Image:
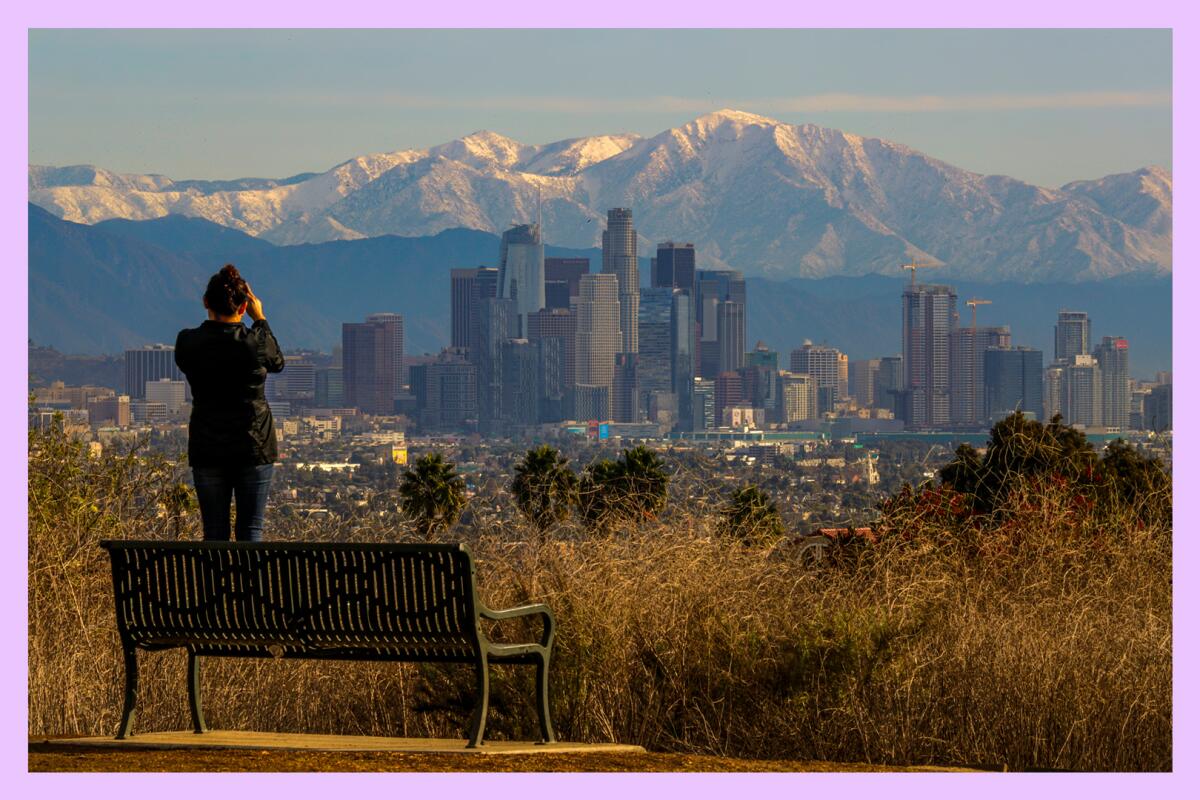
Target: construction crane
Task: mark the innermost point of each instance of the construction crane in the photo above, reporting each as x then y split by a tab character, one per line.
973	302
916	264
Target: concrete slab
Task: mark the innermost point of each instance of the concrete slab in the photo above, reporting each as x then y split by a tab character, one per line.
255	740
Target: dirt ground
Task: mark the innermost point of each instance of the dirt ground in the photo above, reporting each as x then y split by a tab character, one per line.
50	757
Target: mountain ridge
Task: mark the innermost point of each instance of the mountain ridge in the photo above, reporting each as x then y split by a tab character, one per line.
752	193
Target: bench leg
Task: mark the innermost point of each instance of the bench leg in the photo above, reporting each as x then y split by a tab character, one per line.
479	717
543	682
193	682
131	682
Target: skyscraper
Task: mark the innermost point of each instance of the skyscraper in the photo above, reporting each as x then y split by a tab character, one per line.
731	336
519	395
683	342
368	366
462	287
967	347
445	390
497	322
620	259
486	284
655	310
797	397
522	273
1112	355
1072	335
889	385
822	363
862	379
150	363
1012	381
395	326
714	287
930	313
625	397
597	338
569	271
1082	401
674	266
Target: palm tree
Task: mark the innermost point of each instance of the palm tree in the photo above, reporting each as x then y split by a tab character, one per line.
753	517
178	502
432	494
632	488
544	487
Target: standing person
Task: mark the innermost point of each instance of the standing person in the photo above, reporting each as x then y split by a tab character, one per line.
231	436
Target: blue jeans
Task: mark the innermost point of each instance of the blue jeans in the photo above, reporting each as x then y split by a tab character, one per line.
214	487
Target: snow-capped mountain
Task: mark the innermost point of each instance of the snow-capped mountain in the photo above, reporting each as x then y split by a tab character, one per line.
752	193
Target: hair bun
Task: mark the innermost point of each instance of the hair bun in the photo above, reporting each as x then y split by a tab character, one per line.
229	274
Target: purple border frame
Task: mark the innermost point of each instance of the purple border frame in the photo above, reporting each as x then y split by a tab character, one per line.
541	13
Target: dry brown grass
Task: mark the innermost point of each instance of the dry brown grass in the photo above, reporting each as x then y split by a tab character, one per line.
1035	639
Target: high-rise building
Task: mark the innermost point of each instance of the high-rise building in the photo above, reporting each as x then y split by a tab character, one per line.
1054	391
620	259
519	396
760	377
486	285
1112	355
1072	336
462	289
714	287
328	388
168	392
497	323
823	363
674	266
683	367
930	313
568	271
625	397
1012	381
1082	401
1158	410
297	382
557	323
368	366
597	335
731	336
843	376
445	390
967	348
863	376
150	363
797	397
655	310
522	273
395	327
554	391
704	404
728	391
591	403
889	385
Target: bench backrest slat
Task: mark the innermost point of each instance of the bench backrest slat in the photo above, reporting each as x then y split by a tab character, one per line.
322	594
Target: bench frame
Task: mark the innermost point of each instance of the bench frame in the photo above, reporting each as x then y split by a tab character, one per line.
483	651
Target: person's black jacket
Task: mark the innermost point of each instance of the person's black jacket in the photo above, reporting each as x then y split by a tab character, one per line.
226	365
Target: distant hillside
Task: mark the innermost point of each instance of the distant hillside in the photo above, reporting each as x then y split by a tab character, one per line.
96	289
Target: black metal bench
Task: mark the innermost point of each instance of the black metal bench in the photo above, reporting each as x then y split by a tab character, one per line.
354	601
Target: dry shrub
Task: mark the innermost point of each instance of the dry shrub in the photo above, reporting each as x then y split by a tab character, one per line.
1039	637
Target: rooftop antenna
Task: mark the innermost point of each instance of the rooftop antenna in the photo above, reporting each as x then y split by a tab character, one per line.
539	222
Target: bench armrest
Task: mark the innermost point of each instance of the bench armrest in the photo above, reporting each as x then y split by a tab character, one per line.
524	611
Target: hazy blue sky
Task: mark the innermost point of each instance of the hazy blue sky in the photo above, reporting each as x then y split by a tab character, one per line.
1044	106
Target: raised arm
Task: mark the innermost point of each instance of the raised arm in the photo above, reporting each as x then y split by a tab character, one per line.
269	354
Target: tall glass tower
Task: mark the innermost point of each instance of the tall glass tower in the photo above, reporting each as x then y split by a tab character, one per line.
620	259
930	313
